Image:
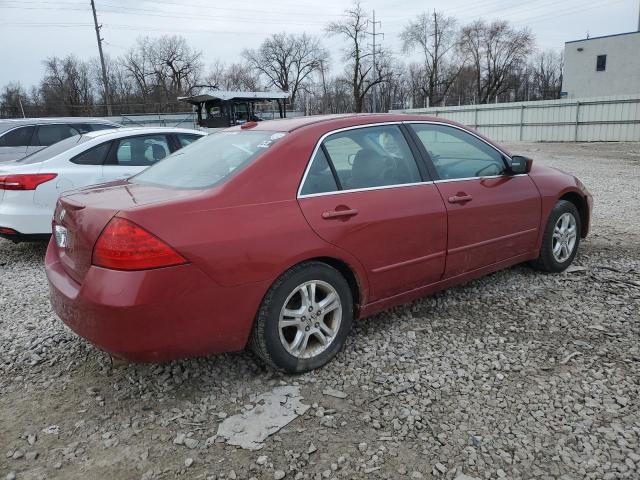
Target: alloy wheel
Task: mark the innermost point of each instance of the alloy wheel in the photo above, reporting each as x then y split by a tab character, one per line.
565	234
310	319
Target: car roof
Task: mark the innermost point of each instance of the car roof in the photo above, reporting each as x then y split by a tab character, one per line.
328	123
339	121
11	123
44	120
127	131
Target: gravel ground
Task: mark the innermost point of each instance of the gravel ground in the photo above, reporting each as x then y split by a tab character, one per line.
516	375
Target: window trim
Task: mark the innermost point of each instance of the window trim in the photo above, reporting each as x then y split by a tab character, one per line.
604	64
424	157
319	144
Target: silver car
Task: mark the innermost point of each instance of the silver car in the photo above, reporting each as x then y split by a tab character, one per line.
24	136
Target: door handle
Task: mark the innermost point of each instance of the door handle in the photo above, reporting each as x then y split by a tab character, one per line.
460	198
329	214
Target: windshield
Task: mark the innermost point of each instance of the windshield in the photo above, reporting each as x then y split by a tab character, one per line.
53	150
209	161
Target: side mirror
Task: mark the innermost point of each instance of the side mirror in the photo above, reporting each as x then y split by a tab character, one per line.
519	165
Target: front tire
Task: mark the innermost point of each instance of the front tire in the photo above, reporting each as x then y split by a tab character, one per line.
561	238
304	318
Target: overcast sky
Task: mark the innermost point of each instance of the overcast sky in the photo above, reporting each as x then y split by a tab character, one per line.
31	30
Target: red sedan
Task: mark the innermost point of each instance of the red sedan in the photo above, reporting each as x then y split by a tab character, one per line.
279	234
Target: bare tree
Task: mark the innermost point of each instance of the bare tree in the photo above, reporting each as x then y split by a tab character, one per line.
163	68
137	62
354	29
435	35
67	86
287	61
494	51
240	76
13	100
177	66
547	74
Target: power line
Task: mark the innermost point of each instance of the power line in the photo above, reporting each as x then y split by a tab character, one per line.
118	8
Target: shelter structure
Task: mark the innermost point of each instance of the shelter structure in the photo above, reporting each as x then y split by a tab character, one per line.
220	109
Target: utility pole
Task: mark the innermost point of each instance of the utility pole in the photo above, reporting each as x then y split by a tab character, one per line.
374	35
639	16
21	107
107	97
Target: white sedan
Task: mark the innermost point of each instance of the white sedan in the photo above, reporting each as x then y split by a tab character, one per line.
29	188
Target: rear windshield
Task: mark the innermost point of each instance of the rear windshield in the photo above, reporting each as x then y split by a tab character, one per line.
209	161
53	150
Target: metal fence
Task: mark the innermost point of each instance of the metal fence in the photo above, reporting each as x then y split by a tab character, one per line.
599	119
182	120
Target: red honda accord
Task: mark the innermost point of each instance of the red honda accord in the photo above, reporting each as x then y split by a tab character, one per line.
279	234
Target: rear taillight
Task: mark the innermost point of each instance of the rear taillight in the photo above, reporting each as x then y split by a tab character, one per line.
123	245
7	231
25	181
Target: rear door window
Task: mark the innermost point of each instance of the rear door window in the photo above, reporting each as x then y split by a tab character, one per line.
49	134
18	137
372	157
142	150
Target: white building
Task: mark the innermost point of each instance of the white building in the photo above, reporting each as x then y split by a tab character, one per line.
602	66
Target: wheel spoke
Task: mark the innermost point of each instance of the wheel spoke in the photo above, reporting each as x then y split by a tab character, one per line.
321	337
312	293
290	323
288	313
326	329
300	343
330	302
304	295
557	248
297	340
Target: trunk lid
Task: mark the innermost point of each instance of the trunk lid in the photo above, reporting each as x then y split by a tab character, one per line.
82	215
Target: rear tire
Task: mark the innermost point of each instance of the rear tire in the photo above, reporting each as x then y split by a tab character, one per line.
561	239
304	318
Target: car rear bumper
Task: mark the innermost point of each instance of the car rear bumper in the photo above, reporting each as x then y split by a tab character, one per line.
19	213
153	315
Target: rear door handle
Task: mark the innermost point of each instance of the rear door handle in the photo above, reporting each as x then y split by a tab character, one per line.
329	214
460	198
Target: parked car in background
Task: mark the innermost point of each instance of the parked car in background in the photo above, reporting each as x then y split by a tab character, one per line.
30	187
281	233
21	137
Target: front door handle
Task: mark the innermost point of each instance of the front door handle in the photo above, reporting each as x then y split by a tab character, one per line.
329	214
460	198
